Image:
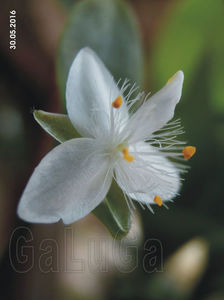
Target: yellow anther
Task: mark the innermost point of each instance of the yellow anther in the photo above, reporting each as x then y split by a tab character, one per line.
117	102
126	155
188	152
171	78
158	200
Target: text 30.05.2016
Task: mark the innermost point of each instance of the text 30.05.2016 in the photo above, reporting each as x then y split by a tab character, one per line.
12	30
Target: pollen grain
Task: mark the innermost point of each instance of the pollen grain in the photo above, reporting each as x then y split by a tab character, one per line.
117	102
126	155
171	78
188	152
158	200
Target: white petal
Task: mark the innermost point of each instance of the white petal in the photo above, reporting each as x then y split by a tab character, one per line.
157	111
90	92
70	181
148	175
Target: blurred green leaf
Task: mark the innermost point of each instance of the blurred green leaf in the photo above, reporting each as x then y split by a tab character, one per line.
216	82
187	39
67	4
109	28
113	212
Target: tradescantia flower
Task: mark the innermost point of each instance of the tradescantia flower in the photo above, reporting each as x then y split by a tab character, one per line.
134	149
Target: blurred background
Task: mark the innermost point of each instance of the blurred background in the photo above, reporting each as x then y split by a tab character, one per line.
174	254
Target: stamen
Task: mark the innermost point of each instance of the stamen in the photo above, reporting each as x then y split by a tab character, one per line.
188	152
117	102
126	155
158	200
171	78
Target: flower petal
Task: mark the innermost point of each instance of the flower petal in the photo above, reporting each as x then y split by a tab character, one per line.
148	175
70	181
157	111
90	92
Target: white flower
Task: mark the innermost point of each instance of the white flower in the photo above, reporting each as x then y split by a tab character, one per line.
74	178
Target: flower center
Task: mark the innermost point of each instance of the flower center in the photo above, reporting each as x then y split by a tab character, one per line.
126	155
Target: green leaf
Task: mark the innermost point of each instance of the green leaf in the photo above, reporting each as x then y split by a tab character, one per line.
57	125
109	28
113	212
